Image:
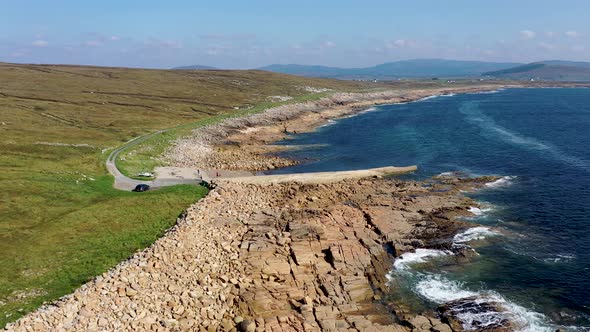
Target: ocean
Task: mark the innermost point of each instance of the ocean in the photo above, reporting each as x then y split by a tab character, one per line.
532	233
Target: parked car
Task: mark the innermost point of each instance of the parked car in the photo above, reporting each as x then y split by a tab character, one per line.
141	188
208	185
146	174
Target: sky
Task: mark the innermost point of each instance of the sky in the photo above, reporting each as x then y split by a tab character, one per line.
254	33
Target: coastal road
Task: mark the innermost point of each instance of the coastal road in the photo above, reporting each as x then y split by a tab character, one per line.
123	182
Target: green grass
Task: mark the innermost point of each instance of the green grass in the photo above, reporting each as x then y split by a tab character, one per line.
87	247
60	228
61	223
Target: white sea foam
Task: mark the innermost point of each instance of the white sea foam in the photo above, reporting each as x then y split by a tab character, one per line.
440	290
560	258
479	211
526	320
437	96
404	261
474	234
487	92
443	174
504	181
328	123
437	289
371	109
428	98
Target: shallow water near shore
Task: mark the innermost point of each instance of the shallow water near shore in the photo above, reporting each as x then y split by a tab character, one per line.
534	257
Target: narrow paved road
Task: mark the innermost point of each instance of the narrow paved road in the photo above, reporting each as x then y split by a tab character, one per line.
123	182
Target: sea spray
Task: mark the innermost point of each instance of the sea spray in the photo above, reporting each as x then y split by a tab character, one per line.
504	181
474	234
478	211
404	261
478	310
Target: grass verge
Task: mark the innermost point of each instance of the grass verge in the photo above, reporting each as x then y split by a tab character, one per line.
95	227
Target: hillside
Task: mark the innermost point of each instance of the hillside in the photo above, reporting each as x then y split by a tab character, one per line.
61	222
421	68
547	70
194	67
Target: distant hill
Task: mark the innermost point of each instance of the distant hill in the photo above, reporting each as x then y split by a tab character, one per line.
193	67
554	70
566	63
419	68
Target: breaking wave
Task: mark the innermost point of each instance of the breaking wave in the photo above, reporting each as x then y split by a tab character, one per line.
404	261
474	234
481	309
479	211
504	181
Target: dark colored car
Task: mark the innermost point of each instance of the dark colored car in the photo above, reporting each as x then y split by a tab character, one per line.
208	185
141	187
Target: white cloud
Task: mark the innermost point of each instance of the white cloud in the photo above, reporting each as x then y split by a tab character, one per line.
546	46
528	34
572	34
399	43
228	37
329	44
40	43
550	34
162	44
296	46
115	38
92	43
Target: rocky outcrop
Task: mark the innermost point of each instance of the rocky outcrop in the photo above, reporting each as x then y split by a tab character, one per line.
476	314
285	257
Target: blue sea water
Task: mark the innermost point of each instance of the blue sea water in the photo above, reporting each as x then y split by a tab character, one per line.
534	238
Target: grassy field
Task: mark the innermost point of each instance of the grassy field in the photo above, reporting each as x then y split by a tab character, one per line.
61	223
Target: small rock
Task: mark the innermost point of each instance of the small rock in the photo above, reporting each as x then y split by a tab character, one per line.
170	323
247	326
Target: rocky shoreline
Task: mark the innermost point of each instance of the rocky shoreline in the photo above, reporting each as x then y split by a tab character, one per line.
246	143
281	257
276	257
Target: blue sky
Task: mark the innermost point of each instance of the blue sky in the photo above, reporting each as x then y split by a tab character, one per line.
249	34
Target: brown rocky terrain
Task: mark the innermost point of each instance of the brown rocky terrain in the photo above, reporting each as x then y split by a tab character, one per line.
286	257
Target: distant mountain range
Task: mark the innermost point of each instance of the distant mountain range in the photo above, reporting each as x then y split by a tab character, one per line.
555	70
400	69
